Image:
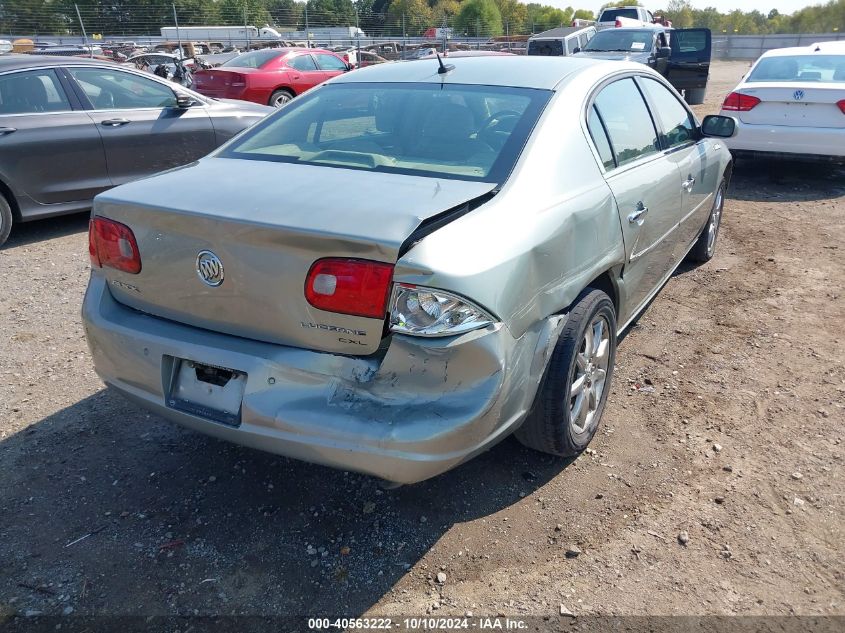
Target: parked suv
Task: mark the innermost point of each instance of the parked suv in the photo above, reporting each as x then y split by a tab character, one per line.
680	55
627	15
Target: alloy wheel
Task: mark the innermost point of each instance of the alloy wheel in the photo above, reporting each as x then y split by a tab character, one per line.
715	219
589	375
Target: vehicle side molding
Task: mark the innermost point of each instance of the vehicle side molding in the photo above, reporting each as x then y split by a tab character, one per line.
719	126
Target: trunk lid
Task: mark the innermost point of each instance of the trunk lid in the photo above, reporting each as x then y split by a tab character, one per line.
267	223
797	105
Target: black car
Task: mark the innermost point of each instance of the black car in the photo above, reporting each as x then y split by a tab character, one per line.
73	127
680	55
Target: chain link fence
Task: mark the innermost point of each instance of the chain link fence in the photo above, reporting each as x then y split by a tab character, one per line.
74	24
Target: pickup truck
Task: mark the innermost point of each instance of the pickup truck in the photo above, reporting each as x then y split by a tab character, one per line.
680	55
626	16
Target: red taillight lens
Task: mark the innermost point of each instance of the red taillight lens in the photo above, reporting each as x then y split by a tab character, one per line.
618	23
236	79
841	105
739	102
349	286
113	244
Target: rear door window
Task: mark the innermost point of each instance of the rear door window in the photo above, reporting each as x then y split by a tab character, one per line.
302	62
329	62
627	120
31	92
677	124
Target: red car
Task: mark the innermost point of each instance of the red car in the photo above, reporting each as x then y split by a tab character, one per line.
270	76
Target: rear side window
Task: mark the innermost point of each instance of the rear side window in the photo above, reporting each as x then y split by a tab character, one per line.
329	62
599	136
678	126
302	62
31	92
627	120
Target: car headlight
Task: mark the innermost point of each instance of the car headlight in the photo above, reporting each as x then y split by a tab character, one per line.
428	312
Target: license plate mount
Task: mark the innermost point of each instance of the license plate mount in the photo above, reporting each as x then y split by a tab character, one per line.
207	391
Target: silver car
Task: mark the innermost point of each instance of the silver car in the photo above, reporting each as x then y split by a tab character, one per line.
72	127
409	263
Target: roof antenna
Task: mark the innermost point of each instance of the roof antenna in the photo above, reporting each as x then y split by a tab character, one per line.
444	68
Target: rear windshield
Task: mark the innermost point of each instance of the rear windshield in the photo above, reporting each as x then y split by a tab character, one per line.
617	40
830	68
439	130
610	15
255	59
545	47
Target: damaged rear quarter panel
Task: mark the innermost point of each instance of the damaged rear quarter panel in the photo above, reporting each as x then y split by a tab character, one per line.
534	247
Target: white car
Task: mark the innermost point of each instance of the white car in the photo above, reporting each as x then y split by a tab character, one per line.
792	103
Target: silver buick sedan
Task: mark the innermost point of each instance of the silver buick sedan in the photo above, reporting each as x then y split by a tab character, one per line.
408	263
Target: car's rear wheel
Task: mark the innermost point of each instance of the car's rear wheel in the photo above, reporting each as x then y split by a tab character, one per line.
574	389
705	247
280	98
5	219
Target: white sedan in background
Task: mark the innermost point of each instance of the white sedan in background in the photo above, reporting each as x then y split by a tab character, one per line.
792	103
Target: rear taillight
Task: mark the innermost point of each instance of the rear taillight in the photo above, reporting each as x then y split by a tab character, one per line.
739	102
841	105
112	244
237	80
349	286
618	23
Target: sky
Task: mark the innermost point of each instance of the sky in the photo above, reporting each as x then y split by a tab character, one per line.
725	6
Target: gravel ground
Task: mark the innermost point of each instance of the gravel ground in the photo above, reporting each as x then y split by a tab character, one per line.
715	485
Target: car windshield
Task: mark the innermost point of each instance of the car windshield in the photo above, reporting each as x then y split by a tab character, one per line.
617	40
254	59
829	68
428	129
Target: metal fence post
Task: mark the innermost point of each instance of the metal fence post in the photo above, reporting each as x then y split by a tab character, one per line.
178	35
84	34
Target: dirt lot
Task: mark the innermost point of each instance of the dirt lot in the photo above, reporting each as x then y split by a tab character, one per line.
739	445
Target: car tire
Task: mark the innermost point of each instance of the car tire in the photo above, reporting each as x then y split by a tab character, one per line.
695	96
572	394
5	220
705	246
280	98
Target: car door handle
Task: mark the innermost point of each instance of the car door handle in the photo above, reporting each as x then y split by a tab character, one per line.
638	216
296	76
114	122
688	184
7	130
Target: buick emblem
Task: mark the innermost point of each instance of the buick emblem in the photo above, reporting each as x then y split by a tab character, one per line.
798	95
210	268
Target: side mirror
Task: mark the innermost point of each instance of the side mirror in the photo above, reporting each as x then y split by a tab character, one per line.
183	101
350	66
577	49
664	52
718	126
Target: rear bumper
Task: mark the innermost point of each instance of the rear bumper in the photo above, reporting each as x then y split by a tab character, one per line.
426	406
786	140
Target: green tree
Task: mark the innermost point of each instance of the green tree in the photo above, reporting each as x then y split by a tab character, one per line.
416	15
541	17
479	17
583	14
514	14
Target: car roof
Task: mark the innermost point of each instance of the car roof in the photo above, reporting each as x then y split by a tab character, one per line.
518	71
16	62
817	47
